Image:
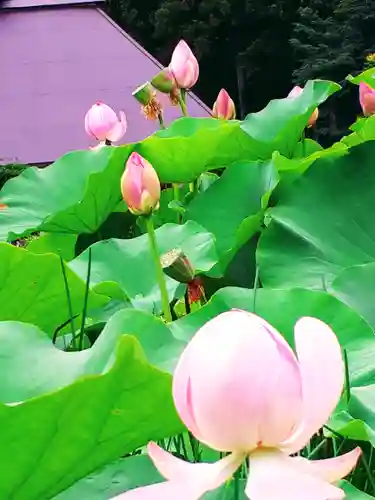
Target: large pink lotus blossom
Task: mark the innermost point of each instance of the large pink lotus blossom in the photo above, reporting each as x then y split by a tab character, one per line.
184	66
102	124
140	185
295	92
224	107
367	99
239	387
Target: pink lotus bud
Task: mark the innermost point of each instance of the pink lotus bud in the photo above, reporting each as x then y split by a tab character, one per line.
367	99
184	66
101	123
140	185
224	107
295	92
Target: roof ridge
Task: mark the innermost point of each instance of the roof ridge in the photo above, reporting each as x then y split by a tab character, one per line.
45	4
141	49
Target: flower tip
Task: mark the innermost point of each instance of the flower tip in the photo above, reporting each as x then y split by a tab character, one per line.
102	123
224	107
184	66
140	185
296	91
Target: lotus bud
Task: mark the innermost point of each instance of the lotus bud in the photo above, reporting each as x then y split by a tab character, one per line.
102	123
164	81
184	66
140	186
151	106
367	99
177	266
295	92
224	107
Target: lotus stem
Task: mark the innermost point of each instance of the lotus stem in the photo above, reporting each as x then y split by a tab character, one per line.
158	268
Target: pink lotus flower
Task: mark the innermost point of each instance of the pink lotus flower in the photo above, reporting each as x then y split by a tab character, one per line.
295	92
224	107
184	66
239	387
140	185
102	124
367	99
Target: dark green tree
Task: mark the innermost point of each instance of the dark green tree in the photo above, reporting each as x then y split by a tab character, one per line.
330	40
242	45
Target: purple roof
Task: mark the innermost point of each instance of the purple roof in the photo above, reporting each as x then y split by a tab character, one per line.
58	62
24	4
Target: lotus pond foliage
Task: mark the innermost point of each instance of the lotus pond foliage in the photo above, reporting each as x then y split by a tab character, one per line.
192	315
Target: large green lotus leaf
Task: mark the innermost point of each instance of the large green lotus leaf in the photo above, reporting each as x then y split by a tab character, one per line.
128	473
361	407
357	421
351	428
191	146
281	123
232	208
133	472
62	244
115	478
355	287
282	308
352	493
89	407
241	270
363	130
296	166
291	168
367	76
322	224
129	262
73	195
32	289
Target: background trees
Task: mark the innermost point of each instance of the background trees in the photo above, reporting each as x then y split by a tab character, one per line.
258	49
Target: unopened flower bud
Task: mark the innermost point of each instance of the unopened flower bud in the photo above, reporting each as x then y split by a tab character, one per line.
224	107
367	99
184	66
101	123
140	185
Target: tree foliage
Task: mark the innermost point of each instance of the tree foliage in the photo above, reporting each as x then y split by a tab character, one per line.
258	49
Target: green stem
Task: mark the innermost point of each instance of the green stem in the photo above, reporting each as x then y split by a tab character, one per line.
236	492
369	472
69	300
193	186
203	299
347	377
303	142
182	103
187	303
159	269
99	234
176	192
176	196
161	121
85	302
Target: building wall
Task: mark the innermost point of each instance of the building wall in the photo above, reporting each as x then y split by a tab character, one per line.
55	63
